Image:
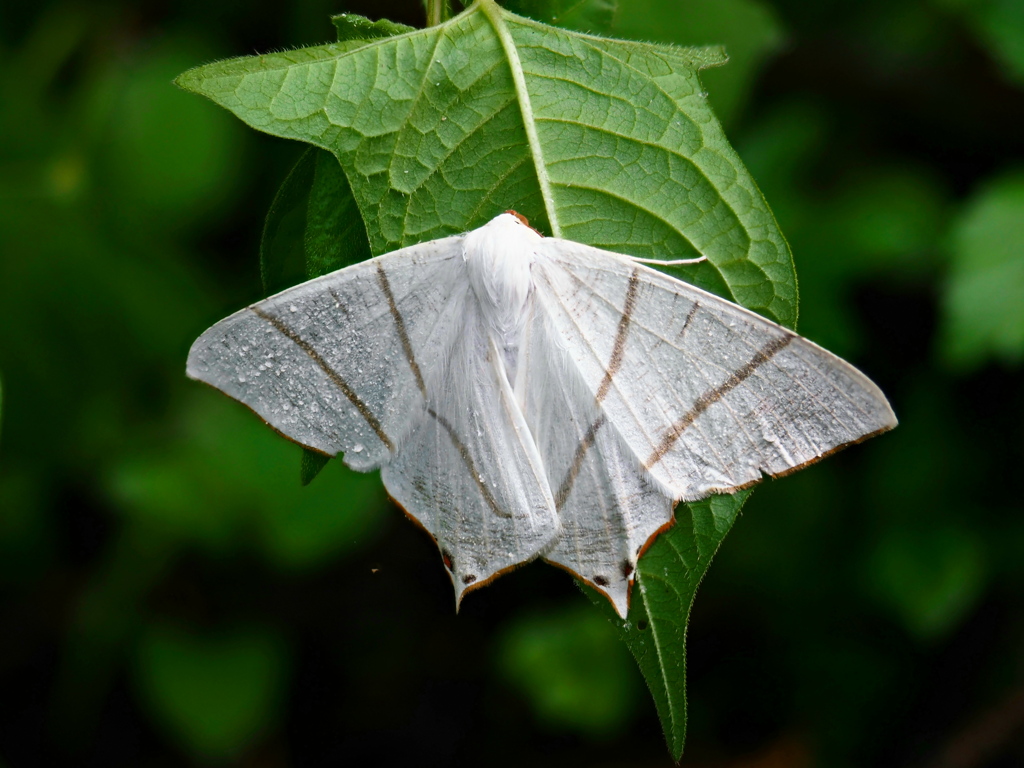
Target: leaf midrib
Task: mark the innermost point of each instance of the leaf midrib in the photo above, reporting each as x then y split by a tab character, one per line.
494	14
655	636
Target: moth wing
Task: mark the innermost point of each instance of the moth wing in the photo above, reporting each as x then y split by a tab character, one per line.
608	506
706	394
390	362
338	363
469	470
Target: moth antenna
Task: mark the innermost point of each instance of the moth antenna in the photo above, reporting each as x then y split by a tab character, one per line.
676	263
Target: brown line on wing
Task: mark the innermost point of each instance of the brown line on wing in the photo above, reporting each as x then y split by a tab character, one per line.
713	395
403	336
468	461
618	351
577	462
332	374
689	319
619	347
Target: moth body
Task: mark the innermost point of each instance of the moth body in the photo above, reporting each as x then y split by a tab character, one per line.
498	258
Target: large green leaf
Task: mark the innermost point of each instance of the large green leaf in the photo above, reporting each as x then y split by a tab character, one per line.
603	141
747	29
607	142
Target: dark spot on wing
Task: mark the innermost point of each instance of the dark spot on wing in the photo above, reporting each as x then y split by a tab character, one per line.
469	578
627	569
446	558
601	581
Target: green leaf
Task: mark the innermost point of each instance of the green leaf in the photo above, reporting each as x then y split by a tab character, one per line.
592	16
603	141
984	295
335	236
667	578
283	256
747	29
282	246
313	228
351	26
312	463
215	695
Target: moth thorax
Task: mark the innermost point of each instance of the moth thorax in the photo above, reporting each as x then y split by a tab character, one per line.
498	258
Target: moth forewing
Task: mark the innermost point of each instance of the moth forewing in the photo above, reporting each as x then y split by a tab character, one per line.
707	395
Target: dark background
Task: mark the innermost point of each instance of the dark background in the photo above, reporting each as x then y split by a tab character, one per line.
172	596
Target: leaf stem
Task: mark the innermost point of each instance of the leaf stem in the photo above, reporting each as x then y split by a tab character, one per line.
438	12
494	15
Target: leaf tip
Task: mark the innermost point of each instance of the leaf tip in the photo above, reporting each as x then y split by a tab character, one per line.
312	463
189	80
710	56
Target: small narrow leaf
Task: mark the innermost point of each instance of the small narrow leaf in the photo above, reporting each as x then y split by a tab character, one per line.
667	578
282	254
351	26
335	236
314	226
594	16
312	463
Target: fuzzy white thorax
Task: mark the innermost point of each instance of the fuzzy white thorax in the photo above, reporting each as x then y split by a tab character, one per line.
498	258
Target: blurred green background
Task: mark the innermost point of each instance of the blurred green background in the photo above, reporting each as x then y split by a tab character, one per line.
172	596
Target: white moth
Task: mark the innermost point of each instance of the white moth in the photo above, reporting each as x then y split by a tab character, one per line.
533	397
